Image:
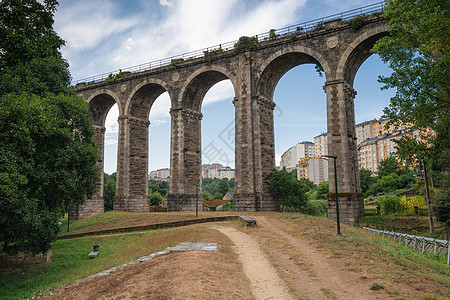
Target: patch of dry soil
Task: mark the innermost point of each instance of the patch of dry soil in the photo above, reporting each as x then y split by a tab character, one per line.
318	277
263	277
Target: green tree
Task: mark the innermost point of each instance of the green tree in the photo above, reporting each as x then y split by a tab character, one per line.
30	60
388	166
47	157
47	162
441	208
417	50
322	190
162	187
155	198
222	188
109	190
291	193
366	179
207	195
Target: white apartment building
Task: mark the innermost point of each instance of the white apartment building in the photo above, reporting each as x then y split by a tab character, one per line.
321	145
364	130
313	168
290	158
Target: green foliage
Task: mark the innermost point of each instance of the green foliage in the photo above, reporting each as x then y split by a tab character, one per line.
376	287
417	50
155	198
388	166
109	190
245	43
175	63
228	206
366	179
216	188
291	193
322	190
272	34
159	186
47	157
207	195
441	208
47	162
316	208
112	77
319	25
357	22
30	60
389	204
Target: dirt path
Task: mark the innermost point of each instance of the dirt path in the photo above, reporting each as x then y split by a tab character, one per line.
263	277
321	279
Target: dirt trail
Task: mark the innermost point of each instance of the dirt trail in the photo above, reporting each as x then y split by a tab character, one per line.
263	277
328	278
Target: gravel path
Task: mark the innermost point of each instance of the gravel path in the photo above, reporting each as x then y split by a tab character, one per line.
263	277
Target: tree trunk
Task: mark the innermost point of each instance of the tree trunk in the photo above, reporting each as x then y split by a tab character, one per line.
430	214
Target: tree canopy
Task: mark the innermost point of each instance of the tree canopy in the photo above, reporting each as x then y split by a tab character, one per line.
290	191
417	50
30	58
47	162
47	157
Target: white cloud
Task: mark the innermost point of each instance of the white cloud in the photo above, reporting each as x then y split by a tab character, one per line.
160	109
85	24
183	26
165	3
219	92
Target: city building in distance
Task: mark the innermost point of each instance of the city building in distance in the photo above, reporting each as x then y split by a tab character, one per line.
290	158
216	170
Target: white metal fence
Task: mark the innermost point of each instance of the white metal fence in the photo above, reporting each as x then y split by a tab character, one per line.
418	243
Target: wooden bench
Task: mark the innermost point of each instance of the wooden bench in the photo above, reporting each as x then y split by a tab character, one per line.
248	222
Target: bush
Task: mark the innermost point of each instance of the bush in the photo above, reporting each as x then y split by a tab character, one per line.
408	203
228	206
389	204
155	198
316	208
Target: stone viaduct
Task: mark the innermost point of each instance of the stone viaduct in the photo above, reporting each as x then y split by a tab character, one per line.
254	66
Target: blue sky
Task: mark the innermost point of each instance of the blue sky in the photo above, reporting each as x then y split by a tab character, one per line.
105	35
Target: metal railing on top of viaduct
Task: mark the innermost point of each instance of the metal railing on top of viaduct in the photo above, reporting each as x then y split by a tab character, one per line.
270	35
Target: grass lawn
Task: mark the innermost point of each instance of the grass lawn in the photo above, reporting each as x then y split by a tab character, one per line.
70	261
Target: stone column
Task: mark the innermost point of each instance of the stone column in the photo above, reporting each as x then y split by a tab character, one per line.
342	142
132	168
267	145
254	146
94	205
185	161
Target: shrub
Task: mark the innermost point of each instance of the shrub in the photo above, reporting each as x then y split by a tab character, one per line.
408	203
389	204
316	208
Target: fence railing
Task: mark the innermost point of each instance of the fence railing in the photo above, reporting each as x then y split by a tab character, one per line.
418	243
270	35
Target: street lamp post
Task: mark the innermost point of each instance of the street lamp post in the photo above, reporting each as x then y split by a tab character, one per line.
334	157
196	200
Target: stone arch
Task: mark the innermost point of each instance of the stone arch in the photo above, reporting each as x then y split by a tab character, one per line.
99	106
143	96
280	62
198	84
357	52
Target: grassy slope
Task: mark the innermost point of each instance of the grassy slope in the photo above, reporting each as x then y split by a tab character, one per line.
70	262
375	257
